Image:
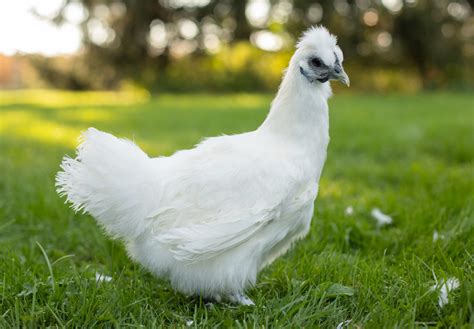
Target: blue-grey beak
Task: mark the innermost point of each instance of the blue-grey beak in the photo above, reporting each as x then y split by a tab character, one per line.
338	73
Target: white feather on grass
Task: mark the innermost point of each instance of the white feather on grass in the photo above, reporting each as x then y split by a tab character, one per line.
99	277
437	236
349	211
445	287
343	324
381	218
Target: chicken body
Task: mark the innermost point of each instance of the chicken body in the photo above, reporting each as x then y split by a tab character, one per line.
210	218
241	202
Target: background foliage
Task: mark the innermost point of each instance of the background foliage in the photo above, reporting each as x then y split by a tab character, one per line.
244	45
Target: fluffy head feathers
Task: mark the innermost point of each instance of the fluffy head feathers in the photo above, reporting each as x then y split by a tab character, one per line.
318	41
317	37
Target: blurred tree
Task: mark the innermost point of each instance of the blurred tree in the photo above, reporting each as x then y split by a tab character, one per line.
144	40
434	55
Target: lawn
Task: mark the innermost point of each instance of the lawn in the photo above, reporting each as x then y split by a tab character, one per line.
410	156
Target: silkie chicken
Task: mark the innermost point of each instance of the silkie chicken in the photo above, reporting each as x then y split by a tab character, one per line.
210	218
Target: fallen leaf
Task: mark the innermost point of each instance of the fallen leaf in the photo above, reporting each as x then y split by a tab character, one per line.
332	290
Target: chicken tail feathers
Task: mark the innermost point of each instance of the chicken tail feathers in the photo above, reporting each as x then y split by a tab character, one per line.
109	179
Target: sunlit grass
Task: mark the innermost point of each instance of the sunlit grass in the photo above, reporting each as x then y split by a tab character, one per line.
411	156
58	117
53	99
28	126
87	115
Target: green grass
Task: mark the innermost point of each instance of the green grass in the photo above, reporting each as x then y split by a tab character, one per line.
410	156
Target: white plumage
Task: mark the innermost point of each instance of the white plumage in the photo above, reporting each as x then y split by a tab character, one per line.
212	217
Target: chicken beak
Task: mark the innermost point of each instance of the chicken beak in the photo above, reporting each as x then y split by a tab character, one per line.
339	74
344	78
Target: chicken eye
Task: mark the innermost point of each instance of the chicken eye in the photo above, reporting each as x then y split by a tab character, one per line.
316	62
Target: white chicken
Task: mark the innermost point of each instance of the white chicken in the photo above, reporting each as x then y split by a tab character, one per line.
210	218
